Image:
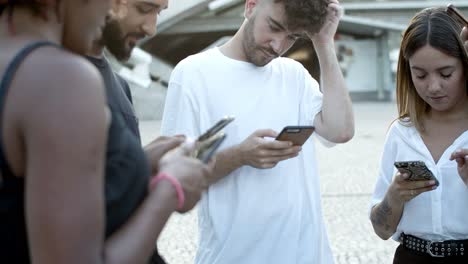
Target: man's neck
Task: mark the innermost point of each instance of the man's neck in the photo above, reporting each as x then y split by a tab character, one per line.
97	50
233	48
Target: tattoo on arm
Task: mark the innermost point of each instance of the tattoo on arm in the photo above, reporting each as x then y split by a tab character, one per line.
381	214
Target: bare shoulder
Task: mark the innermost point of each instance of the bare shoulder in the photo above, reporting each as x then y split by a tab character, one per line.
54	84
59	71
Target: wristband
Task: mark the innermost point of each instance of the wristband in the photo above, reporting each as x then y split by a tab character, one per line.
175	183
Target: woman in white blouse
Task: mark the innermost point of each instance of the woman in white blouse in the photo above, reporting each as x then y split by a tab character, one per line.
429	220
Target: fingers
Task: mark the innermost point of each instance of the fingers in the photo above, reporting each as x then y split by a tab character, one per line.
276	159
265	133
411	193
420	184
407	190
459	153
402	181
276	144
267	165
188	147
280	152
464	37
401	177
270	162
335	8
462	161
169	144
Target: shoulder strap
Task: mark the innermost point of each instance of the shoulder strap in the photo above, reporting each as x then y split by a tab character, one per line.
15	64
5	83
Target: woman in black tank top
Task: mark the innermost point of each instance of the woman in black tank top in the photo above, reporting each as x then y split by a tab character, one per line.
73	180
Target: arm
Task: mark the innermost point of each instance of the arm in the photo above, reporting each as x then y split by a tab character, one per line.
255	151
64	179
135	241
64	189
336	121
386	215
392	191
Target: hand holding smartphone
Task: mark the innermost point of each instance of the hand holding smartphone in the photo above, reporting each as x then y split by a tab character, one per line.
417	171
298	135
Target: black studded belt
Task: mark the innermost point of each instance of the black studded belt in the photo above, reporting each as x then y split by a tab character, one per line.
448	248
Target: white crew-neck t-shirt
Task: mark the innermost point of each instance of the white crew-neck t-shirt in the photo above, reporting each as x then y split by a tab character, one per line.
252	216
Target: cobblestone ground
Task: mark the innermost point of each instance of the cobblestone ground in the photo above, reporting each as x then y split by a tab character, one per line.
348	174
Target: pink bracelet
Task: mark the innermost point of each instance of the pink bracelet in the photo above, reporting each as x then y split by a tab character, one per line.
174	182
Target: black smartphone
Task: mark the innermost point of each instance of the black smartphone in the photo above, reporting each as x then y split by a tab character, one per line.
298	135
417	170
456	14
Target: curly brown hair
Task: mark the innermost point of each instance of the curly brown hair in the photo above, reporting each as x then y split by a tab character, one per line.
305	14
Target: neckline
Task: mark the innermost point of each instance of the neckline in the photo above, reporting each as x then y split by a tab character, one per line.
98	62
445	153
240	63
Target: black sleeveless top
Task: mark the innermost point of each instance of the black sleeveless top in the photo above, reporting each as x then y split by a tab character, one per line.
126	179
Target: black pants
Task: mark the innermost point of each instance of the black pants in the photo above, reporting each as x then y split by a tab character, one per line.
405	256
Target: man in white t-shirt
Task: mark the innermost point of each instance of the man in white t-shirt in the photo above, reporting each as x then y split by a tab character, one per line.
265	206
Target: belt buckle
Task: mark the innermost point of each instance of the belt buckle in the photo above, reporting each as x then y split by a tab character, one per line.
428	250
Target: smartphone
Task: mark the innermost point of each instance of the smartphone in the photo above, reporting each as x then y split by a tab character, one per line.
216	128
206	153
298	135
417	171
456	14
209	142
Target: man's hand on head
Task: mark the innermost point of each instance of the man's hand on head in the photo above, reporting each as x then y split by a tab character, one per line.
328	31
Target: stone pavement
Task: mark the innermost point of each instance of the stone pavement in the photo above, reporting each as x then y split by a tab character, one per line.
348	173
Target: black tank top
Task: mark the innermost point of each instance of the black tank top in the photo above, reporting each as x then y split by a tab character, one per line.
126	180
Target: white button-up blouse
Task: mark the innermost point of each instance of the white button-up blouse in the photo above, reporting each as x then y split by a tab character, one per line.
441	214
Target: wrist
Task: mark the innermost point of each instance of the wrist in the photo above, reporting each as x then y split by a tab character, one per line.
165	197
238	157
164	179
325	49
393	200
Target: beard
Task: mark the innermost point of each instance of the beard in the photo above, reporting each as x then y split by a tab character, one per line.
254	53
114	40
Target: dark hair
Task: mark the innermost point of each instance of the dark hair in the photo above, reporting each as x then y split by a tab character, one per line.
37	8
434	27
305	14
